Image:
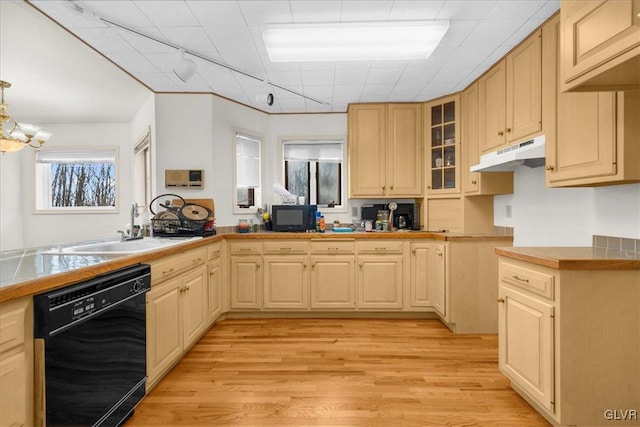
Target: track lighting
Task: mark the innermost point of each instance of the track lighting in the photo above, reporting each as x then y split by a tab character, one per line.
185	69
264	98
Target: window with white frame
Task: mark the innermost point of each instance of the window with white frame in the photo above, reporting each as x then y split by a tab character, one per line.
142	171
314	169
247	171
76	180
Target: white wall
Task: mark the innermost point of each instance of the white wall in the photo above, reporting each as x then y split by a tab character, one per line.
11	209
44	228
544	216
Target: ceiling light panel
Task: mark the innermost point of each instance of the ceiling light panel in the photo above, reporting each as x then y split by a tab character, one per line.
353	41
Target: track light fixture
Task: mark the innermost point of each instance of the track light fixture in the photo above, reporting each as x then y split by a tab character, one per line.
186	68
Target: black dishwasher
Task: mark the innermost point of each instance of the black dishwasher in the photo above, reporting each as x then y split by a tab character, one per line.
91	343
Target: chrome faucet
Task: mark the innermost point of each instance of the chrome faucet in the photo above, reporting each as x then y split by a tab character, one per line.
132	234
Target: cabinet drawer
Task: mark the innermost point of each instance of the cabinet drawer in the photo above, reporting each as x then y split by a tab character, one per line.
527	278
175	264
214	251
333	246
245	248
286	247
380	247
12	325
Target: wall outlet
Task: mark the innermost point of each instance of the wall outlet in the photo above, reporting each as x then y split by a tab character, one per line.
508	211
354	212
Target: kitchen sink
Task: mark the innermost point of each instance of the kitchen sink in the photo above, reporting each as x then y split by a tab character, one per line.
125	247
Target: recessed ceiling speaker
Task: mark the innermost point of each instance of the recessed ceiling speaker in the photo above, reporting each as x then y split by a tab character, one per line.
185	69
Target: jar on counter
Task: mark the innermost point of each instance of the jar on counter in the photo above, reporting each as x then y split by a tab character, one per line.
244	226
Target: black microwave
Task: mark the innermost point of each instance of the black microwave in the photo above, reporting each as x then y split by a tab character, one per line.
293	217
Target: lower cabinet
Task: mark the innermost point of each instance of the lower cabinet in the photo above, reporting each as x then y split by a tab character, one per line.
215	294
246	282
333	282
568	341
176	319
379	281
427	282
16	363
286	281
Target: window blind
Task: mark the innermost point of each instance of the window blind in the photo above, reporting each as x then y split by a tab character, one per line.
247	161
318	151
76	156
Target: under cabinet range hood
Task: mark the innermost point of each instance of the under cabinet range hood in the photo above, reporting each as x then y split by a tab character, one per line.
528	153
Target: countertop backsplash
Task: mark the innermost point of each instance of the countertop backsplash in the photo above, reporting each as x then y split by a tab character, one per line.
622	244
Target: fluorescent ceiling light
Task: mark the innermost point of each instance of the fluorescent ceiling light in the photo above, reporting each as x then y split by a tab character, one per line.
353	41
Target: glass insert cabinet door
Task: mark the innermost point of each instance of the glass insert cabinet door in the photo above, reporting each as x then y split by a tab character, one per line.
443	147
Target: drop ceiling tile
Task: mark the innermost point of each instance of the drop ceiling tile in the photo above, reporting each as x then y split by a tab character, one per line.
314	107
292	104
465	9
384	76
67	15
457	33
144	44
245	61
104	40
451	75
164	62
194	84
550	7
289	79
524	31
321	93
133	62
317	77
485	32
376	92
235	93
408	92
266	12
167	13
465	55
365	10
416	76
191	38
159	82
226	37
249	82
350	65
339	107
510	9
415	10
347	91
351	77
213	13
218	79
315	10
123	12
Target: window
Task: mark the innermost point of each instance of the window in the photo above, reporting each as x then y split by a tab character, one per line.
142	170
313	169
76	179
247	172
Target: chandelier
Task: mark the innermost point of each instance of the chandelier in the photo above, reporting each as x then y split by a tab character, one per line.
15	136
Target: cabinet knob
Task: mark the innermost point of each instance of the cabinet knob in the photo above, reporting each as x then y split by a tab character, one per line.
549	168
384	187
413	251
257	265
304	266
508	130
360	265
313	265
500	300
212	273
428	187
391	188
500	133
474	182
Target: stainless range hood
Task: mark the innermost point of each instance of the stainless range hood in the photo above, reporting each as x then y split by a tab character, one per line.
527	153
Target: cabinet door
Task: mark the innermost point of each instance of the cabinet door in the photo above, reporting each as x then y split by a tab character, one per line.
492	112
600	42
367	135
246	282
437	279
404	150
524	89
443	123
14	377
380	281
164	327
194	305
214	295
286	282
470	127
333	282
419	276
585	145
526	344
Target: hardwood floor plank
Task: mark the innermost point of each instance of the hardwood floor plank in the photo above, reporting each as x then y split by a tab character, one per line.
334	372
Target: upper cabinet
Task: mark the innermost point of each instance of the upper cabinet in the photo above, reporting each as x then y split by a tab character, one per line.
600	45
475	183
443	134
596	140
510	96
385	150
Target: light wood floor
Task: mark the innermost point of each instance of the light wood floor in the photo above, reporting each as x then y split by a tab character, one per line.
337	373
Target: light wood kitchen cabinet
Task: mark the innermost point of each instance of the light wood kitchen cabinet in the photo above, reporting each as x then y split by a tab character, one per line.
600	45
427	281
596	140
385	150
379	278
568	340
286	281
476	183
443	142
16	363
510	96
246	275
215	289
333	278
176	319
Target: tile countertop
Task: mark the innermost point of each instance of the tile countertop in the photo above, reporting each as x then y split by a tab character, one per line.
31	271
574	258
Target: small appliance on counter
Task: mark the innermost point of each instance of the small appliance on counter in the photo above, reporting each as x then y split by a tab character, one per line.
405	216
182	217
293	217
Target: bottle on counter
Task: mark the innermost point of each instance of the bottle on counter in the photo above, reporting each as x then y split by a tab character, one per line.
322	224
